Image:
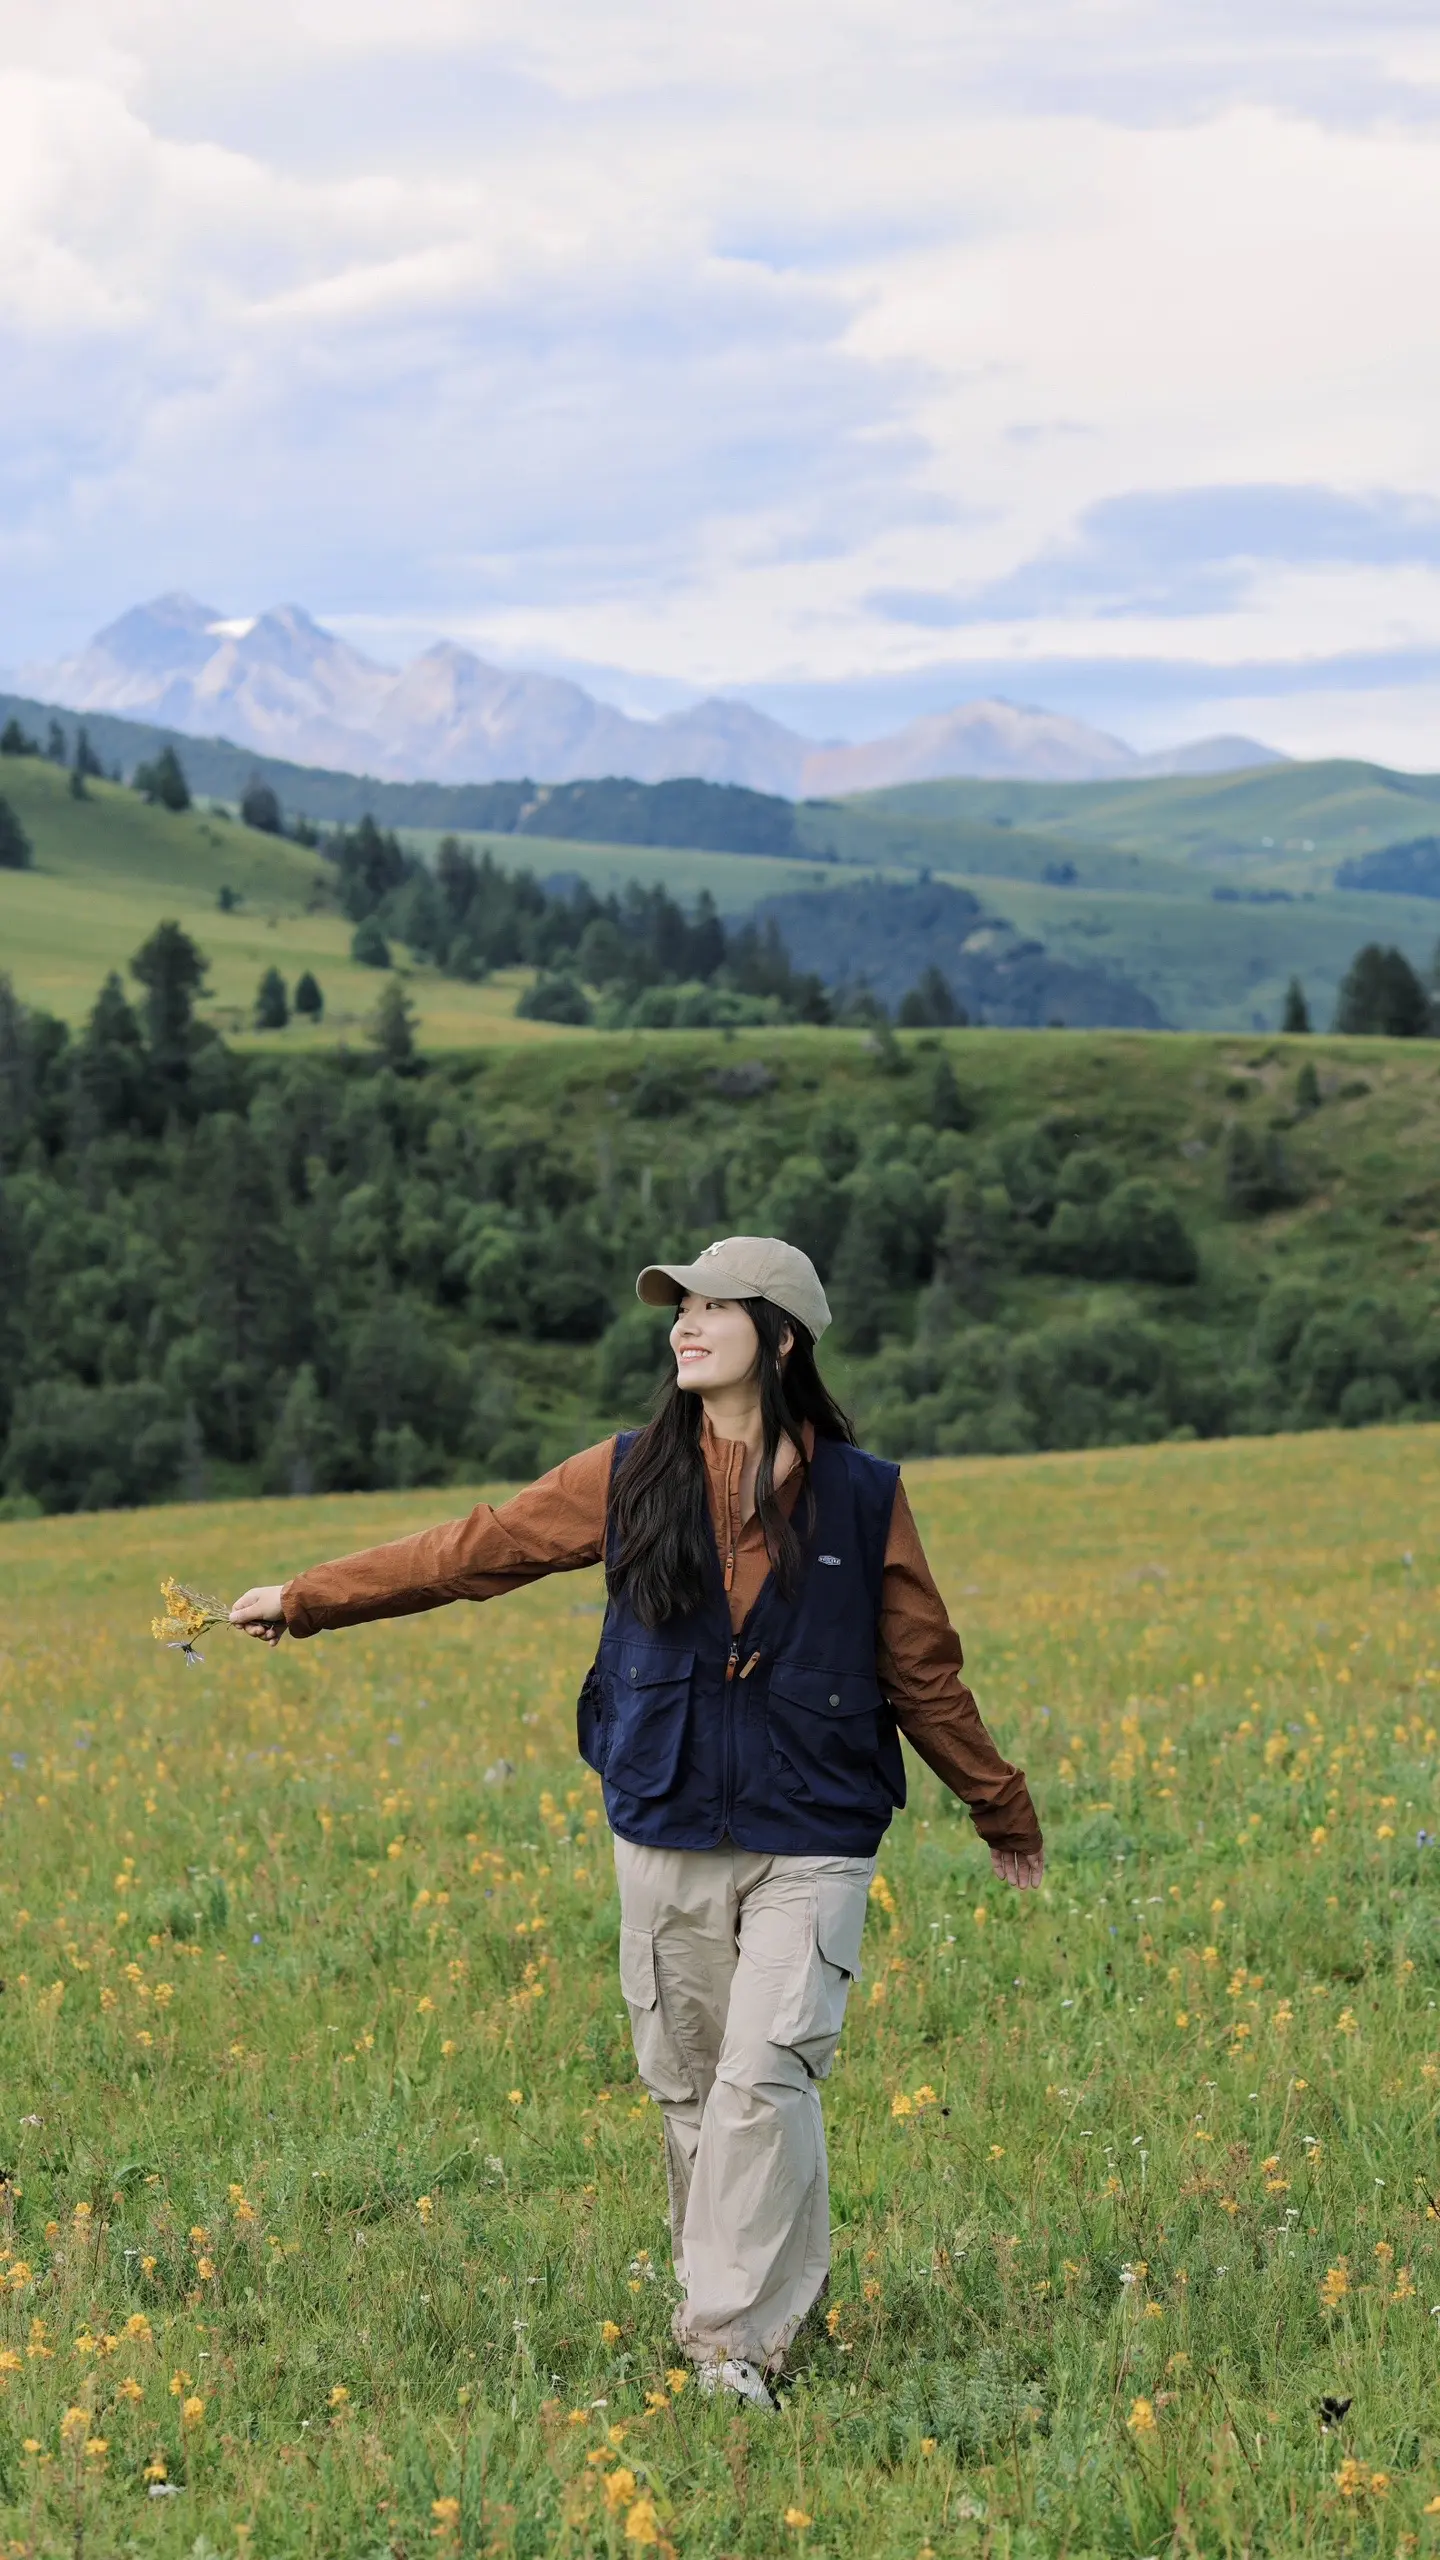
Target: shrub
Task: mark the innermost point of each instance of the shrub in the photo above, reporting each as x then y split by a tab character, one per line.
1144	1237
1257	1173
368	944
555	997
260	808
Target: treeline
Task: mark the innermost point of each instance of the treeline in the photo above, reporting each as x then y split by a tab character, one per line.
222	1273
634	959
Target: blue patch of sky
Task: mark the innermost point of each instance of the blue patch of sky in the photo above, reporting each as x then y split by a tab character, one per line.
1183	551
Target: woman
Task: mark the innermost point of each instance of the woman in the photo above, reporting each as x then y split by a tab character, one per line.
771	1622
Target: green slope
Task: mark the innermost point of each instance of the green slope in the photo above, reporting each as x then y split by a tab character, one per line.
107	869
1325	809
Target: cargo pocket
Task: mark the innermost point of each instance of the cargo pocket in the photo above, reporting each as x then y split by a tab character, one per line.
812	2009
658	2058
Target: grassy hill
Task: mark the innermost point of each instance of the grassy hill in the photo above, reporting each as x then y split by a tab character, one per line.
1273	817
324	1274
109	867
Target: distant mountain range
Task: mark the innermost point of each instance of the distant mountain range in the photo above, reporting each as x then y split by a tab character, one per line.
281	684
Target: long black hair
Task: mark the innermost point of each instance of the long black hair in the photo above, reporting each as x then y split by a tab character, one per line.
662	1553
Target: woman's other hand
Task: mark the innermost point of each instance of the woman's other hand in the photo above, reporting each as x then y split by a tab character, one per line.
1012	1866
260	1613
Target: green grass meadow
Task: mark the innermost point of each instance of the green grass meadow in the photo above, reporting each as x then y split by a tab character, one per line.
333	2213
107	870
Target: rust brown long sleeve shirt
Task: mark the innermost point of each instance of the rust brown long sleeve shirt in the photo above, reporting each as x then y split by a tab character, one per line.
557	1525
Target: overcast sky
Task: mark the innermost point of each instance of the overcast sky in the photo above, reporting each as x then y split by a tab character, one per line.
859	355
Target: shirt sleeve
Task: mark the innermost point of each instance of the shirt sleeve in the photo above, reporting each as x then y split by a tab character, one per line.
920	1663
555	1526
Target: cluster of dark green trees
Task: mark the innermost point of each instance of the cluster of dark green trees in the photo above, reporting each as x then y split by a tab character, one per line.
85	766
274	1005
219	1273
634	959
1380	994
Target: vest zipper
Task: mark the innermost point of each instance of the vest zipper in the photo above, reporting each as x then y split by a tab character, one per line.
733	1664
730	1566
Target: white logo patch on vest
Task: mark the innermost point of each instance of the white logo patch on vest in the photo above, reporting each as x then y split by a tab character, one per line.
829	1559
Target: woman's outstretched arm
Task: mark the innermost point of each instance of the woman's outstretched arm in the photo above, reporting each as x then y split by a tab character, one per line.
554	1526
920	1664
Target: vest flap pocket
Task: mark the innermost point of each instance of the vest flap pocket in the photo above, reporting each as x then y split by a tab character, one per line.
637	1967
830	1694
824	1731
840	1921
649	1701
642	1666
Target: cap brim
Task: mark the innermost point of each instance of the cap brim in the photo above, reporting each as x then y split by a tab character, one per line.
663	1284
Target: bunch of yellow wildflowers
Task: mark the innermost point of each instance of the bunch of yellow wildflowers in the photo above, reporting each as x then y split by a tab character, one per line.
187	1616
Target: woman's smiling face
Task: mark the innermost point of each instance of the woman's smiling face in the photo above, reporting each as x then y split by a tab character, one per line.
714	1342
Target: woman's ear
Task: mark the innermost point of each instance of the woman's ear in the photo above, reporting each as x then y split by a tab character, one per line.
787	1343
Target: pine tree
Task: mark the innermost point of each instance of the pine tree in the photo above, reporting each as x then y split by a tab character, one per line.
1381	993
1296	1016
172	971
14	742
163	783
859	1289
309	999
111	1076
272	1005
87	763
945	1105
16	850
391	1028
56	750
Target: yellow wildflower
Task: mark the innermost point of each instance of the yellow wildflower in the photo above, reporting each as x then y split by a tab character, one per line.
1142	2420
620	2486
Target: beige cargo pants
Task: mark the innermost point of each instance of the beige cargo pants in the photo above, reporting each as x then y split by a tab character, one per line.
735	1968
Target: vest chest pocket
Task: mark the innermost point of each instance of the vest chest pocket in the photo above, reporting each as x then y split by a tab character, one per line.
647	1699
824	1729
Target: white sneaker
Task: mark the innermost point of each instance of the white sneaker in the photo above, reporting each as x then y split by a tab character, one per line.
734	2373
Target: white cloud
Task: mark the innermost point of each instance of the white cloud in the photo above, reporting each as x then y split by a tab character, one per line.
680	339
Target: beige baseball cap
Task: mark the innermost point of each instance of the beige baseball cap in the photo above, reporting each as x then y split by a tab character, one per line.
743	1267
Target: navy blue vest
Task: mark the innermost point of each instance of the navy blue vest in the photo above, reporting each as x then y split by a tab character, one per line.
799	1754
